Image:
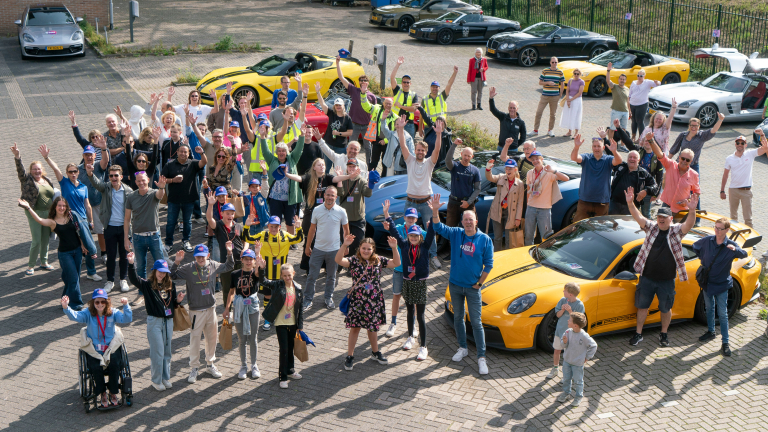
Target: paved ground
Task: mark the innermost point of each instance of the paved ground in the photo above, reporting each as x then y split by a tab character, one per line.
640	388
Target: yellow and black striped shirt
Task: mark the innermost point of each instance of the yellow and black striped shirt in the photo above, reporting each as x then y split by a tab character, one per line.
274	249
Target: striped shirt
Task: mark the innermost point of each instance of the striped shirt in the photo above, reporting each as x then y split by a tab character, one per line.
553	78
274	249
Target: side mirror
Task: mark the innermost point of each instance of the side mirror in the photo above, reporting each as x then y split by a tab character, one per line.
635	67
461	23
555	37
78	19
17	22
626	276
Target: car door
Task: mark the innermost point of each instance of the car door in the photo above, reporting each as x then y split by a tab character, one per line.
753	101
616	304
565	43
473	28
434	9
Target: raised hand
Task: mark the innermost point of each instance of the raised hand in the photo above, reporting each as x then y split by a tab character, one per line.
400	122
629	195
230	105
613	146
385	224
199	150
694	201
71	116
212	94
264	167
318	86
156	131
257	247
15	151
211	198
434	203
171	91
316	133
229	246
674	104
492	93
161	182
179	256
339	171
400	60
305	88
349	239
720	116
601	132
578	141
119	112
124	301
455	69
229	87
44	151
610	66
100	142
338	60
438	127
392	242
489	165
385	208
89	169
297	77
23	204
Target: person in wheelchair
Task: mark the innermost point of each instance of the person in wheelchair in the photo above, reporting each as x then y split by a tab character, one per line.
103	339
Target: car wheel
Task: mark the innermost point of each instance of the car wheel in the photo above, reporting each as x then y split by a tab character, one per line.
598	87
597	51
670	78
405	23
445	37
708	115
24	56
338	87
734	302
243	91
546	332
568	218
528	57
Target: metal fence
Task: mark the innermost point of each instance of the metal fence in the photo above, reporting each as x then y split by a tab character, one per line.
667	27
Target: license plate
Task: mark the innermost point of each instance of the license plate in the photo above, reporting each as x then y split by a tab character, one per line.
52	48
375	18
491	51
413	31
651	112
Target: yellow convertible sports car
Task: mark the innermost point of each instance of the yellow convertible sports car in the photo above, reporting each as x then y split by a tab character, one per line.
263	78
526	283
629	62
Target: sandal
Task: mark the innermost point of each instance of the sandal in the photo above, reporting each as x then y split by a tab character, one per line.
47	267
104	402
30	272
114	401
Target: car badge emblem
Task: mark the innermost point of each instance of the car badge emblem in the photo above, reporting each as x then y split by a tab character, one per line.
51	32
654	105
465	31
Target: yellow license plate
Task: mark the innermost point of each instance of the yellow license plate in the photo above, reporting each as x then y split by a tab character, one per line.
450	307
651	112
413	31
375	18
491	51
52	48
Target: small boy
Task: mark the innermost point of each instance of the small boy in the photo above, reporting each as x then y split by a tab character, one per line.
579	347
569	303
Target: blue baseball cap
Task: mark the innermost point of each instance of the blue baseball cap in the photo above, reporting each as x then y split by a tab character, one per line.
234	124
343	53
435	83
274	220
248	253
201	250
99	293
279	173
221	190
411	212
510	163
262	116
264	123
161	266
406	76
414	229
254	181
89	149
227	207
535	153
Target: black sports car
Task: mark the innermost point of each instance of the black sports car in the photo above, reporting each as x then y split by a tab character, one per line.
461	27
544	40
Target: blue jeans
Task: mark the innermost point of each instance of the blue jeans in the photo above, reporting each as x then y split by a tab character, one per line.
537	217
575	373
173	216
474	303
87	239
143	245
426	215
410	127
719	301
159	335
645	208
71	263
316	261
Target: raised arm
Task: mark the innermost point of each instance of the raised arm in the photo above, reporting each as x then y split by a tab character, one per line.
656	149
342	80
320	99
400	126
305	97
668	123
438	142
449	156
247	118
348	240
395	261
76	130
492	104
716	127
160	183
614	148
392	79
44	151
691	219
44	222
577	142
451	80
505	150
211	198
629	195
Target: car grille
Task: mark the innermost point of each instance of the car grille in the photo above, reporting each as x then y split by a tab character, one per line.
658	105
43	52
493	44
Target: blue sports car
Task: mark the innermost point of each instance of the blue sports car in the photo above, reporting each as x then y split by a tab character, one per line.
393	189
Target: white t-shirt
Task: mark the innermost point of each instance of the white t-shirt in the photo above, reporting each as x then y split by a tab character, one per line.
638	93
200	112
328	222
419	176
741	168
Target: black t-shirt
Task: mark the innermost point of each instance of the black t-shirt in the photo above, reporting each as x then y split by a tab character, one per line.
311	152
622	183
405	98
322	184
69	240
336	123
185	192
245	283
223	235
169	149
660	264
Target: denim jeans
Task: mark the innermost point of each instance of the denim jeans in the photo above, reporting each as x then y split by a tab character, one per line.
143	245
719	301
71	263
426	215
159	335
173	216
90	246
410	127
645	208
474	303
575	373
316	261
537	217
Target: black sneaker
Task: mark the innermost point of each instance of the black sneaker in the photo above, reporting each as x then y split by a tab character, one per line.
726	350
663	340
636	339
708	336
307	307
348	365
379	358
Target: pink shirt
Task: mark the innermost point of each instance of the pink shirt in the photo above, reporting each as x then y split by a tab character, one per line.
540	192
678	187
238	143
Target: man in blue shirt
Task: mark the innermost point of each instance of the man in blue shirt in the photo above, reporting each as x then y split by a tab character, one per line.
595	186
465	183
471	261
717	253
285	82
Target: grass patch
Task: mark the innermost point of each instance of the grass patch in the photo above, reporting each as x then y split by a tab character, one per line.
187	75
472	134
375	88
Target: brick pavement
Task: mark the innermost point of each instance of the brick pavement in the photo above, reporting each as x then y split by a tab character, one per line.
627	389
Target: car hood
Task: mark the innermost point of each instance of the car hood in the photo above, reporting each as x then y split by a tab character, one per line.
428	23
395	9
568	66
47	32
686	91
223	74
512	37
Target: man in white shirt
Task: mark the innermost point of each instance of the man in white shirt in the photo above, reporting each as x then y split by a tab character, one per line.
340	160
739	166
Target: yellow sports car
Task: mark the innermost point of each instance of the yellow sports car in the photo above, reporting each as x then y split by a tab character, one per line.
629	62
263	78
526	283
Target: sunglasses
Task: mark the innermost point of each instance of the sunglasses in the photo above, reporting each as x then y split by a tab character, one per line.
221	156
114	175
285	82
217	137
740	143
552	62
576	74
141	161
73	172
363	80
720	229
684	159
194	95
98	302
282	98
406	82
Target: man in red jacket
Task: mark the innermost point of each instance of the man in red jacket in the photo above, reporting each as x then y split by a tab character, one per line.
476	77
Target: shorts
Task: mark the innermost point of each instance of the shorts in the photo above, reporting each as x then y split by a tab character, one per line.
557	344
98	228
647	288
622	116
397	282
282	209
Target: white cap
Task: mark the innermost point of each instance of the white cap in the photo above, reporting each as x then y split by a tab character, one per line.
339	101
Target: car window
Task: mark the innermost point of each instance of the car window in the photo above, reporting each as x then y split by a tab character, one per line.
270	66
541	29
627	263
579	251
439	6
566	32
450	16
620	60
689	253
322	64
726	82
473	18
49	17
414	3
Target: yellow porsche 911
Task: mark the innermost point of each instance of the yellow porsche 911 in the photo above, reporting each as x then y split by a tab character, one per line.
667	70
263	78
520	294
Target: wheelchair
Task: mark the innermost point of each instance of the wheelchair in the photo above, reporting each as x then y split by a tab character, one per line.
88	386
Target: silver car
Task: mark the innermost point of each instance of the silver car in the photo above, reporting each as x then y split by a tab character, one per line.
49	31
739	94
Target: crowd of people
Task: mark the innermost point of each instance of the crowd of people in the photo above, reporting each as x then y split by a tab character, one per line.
265	185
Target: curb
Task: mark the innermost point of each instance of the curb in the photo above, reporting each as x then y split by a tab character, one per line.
100	54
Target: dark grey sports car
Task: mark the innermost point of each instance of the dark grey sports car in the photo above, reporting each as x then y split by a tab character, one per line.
461	27
543	40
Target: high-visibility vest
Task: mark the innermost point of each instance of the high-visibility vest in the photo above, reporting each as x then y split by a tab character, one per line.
291	133
374	126
408	102
435	107
257	156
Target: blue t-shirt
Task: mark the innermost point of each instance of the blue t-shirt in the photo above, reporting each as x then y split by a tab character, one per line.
292	95
92	324
94	196
595	186
463	179
75	196
562	322
470	256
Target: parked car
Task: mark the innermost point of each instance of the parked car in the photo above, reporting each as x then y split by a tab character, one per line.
403	15
461	27
740	94
50	31
543	40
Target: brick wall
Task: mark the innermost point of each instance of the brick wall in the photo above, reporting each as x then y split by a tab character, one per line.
10	11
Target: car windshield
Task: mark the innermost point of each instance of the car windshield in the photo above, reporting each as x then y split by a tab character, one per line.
579	251
540	29
414	3
270	66
620	60
726	82
49	17
450	16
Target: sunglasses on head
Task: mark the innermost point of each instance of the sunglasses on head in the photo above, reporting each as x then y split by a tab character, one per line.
98	302
684	159
140	172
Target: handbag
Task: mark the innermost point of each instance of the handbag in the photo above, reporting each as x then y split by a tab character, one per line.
344	305
181	320
300	349
702	273
225	335
239	206
517	238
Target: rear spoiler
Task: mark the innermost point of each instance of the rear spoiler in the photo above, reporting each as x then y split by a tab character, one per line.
679	59
354	60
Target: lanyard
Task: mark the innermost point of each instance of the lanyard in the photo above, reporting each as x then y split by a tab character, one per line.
271	252
200	272
228	230
102	329
160	296
414	252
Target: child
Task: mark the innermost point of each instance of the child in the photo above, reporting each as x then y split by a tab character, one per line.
569	303
579	347
255	203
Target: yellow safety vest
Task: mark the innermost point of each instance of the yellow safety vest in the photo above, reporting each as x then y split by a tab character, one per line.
408	102
291	133
256	154
436	107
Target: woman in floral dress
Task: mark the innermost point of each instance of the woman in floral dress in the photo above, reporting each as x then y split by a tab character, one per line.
366	299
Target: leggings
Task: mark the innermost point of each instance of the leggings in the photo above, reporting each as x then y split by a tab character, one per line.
115	238
638	117
420	318
377	154
285	339
251	339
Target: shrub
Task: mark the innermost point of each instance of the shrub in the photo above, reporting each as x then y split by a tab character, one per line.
224	44
472	134
187	75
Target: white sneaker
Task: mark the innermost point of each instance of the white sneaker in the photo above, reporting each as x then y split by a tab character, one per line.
109	286
408	344
482	365
550	133
415	332
422	354
192	375
243	374
211	369
460	354
167	384
158	387
435	263
94	277
534	133
255	372
188	247
283	384
295	375
391	330
553	373
124	286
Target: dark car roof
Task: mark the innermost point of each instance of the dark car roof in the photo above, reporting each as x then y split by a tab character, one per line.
482	157
617	229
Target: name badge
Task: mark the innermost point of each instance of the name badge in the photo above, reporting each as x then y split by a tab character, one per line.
102	348
206	292
368	286
276	261
247	301
350	199
535	193
168	312
288	315
319	200
411	269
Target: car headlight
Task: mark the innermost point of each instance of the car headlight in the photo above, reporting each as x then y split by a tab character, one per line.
224	86
688	103
584	74
750	264
503	46
522	303
427	29
76	36
28	38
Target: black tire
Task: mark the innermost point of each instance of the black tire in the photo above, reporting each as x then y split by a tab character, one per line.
445	37
597	51
405	23
338	87
670	78
734	302
546	332
708	115
528	57
568	218
242	91
598	87
24	56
